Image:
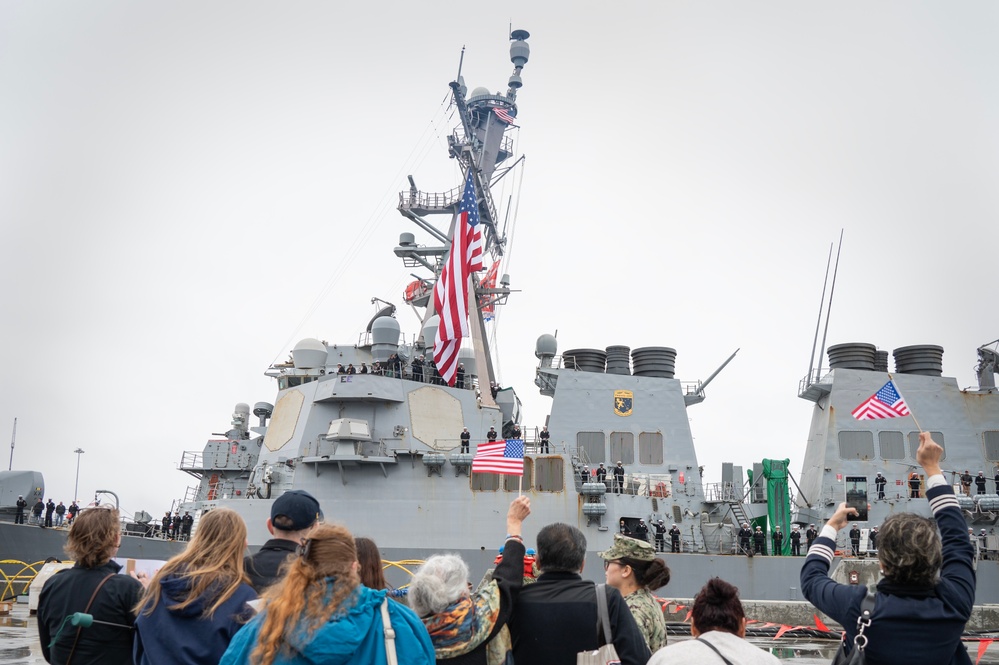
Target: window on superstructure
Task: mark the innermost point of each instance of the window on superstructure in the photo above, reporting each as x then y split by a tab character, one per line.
549	474
856	445
991	439
650	448
485	482
513	483
622	447
914	443
892	445
591	447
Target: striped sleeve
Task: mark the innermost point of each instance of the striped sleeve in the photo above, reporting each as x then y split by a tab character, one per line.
956	587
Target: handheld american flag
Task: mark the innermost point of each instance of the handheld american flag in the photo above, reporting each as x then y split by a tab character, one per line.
506	457
885	403
451	290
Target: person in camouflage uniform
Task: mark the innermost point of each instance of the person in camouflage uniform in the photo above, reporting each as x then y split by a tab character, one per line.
632	568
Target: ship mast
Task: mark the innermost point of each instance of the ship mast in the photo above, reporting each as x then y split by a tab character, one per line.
479	143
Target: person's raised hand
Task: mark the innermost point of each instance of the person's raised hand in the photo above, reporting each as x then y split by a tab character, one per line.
928	454
838	519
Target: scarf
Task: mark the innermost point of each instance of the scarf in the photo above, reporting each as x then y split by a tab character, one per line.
465	624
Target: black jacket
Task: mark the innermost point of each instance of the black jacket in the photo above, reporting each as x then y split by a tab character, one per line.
69	591
551	616
912	625
263	567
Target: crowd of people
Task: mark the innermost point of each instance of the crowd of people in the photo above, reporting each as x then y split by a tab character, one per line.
45	514
420	370
316	594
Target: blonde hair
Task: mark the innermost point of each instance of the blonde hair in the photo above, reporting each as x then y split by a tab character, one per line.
317	585
212	562
94	537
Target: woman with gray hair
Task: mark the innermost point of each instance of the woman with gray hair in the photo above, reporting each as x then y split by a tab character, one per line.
928	590
466	627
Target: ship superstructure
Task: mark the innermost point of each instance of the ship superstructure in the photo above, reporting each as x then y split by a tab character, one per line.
367	426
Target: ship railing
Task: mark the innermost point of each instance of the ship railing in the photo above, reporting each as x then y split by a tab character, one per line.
191	460
447	445
691	387
459	138
811	386
656	485
722	492
418	200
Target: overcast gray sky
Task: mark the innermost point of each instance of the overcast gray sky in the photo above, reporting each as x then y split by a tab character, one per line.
180	182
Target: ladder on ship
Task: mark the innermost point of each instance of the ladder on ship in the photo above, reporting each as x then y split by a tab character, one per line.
738	512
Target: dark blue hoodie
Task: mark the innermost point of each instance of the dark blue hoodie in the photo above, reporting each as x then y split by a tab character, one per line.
185	637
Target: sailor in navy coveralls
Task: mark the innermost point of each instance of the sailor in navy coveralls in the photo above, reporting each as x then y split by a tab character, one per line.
918	618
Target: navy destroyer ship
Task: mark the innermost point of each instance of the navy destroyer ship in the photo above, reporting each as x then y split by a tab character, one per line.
367	427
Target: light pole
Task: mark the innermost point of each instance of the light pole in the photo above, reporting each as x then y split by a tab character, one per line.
76	488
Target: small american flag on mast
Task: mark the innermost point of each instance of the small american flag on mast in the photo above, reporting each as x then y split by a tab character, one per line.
451	290
885	403
506	457
504	115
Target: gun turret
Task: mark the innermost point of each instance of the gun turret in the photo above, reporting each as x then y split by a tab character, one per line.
988	365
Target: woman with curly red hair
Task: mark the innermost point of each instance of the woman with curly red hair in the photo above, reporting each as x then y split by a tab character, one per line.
320	612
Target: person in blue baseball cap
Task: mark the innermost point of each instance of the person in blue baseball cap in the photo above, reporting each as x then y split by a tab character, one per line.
293	514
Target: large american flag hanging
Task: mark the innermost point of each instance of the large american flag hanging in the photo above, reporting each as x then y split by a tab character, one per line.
451	290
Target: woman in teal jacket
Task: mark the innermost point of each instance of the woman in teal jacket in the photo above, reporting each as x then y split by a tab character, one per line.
320	613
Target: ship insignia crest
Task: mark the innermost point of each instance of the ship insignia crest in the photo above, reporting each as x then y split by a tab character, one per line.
624	401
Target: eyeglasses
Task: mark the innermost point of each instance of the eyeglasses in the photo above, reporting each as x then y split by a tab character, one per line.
608	563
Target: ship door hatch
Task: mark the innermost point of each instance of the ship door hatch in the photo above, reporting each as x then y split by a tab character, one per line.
213	484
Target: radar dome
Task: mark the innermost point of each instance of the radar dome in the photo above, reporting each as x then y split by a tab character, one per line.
309	354
384	338
480	92
546	345
430	331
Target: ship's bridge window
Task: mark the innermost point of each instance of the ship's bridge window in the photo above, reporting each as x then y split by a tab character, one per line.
650	448
514	483
485	482
991	438
285	382
892	445
856	445
549	474
591	447
914	443
622	447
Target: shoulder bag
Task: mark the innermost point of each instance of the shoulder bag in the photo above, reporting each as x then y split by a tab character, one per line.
607	654
86	610
856	655
390	655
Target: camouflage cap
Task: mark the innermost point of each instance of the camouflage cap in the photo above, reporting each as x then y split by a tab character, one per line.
629	548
